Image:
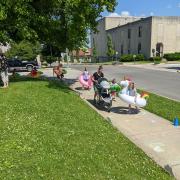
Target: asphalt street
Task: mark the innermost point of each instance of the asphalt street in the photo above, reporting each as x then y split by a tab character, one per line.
163	83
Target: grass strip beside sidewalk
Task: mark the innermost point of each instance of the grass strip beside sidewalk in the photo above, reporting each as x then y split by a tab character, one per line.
164	107
48	132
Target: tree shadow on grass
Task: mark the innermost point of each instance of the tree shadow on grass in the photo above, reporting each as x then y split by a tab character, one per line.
61	84
54	83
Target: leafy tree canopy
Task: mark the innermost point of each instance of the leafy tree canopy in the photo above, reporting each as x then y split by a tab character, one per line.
50	50
62	23
110	48
24	50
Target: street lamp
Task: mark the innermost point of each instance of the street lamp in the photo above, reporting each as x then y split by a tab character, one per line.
154	51
116	55
134	57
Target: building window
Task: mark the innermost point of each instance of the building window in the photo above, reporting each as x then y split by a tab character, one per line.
139	48
129	48
140	31
122	49
129	33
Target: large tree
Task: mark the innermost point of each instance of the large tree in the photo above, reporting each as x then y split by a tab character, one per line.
61	23
94	51
110	47
25	51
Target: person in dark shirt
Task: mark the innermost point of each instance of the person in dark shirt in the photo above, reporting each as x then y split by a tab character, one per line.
4	71
96	76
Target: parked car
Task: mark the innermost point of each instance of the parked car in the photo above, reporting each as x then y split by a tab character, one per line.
18	65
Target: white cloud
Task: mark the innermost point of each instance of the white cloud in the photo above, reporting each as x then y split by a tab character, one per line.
113	15
125	13
151	13
178	5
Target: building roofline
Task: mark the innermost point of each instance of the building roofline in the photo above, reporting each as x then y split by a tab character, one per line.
145	19
101	18
165	17
134	22
122	16
104	17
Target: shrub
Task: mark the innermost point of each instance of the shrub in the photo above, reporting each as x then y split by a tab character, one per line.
140	57
172	56
127	58
130	58
156	59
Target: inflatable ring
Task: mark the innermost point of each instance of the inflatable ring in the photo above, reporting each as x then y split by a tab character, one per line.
139	100
87	84
115	88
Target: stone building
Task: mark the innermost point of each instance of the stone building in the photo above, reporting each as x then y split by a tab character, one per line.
99	40
161	34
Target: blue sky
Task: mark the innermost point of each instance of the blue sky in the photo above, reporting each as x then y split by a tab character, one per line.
147	8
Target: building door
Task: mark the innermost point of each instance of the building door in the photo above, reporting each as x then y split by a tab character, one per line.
139	48
159	49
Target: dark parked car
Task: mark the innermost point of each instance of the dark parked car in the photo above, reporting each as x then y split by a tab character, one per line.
19	65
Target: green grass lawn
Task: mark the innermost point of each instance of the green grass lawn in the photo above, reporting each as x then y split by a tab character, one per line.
163	107
48	132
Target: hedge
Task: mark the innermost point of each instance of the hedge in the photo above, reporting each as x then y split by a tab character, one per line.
129	58
172	56
157	58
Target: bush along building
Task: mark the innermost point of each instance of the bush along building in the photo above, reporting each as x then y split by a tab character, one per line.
148	37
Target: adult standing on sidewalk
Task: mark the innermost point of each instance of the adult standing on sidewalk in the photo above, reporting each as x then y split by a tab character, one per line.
4	71
96	76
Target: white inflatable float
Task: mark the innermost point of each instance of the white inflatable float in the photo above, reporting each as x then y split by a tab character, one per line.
139	100
87	84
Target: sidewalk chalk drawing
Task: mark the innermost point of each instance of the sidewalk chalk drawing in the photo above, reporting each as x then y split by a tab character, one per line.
157	147
140	100
87	84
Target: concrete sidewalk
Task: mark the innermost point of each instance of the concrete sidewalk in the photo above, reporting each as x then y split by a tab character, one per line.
154	135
